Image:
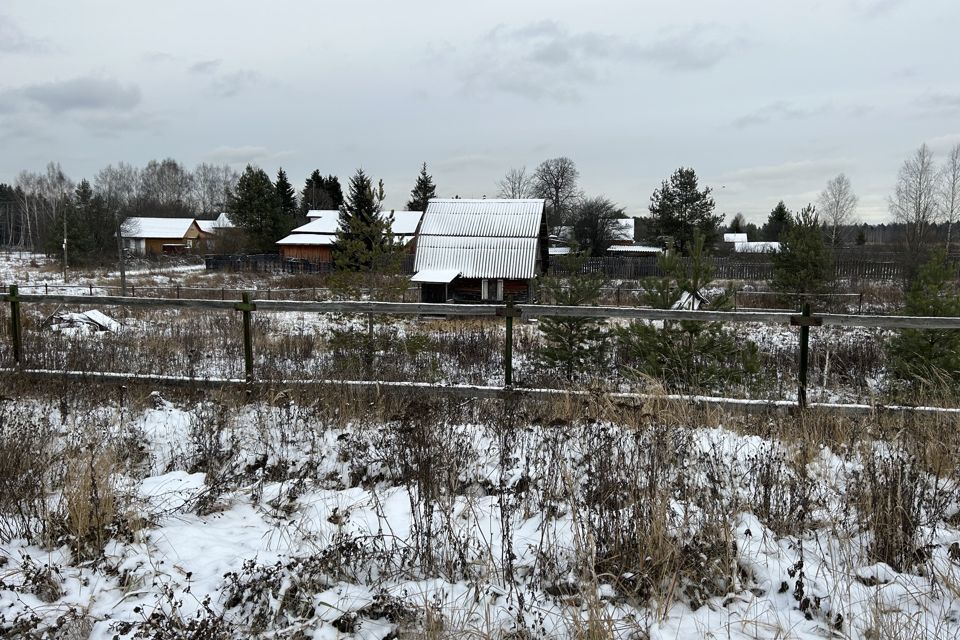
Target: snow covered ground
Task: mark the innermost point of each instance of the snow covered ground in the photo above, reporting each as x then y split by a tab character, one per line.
282	520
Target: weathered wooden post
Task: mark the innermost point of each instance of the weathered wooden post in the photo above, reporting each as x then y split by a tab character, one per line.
509	312
15	326
247	307
804	321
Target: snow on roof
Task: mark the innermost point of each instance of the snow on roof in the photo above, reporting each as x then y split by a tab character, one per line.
405	223
559	251
441	276
326	221
163	228
312	239
223	221
634	248
756	247
476	257
323	213
485	218
735	237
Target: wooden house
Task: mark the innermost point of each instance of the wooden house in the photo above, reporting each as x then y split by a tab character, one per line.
480	250
313	242
157	236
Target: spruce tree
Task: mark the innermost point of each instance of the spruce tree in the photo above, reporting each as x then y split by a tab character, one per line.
423	190
286	196
778	221
254	208
366	256
679	208
333	194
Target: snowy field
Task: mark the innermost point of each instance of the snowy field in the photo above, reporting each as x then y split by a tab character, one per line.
299	519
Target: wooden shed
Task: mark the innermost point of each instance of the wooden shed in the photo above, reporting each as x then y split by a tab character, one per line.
479	250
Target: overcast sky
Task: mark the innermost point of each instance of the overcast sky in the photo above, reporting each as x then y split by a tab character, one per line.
766	99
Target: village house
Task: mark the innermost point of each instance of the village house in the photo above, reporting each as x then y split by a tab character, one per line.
480	250
157	236
313	242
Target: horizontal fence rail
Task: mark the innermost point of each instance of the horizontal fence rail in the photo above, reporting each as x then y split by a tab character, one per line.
483	392
508	311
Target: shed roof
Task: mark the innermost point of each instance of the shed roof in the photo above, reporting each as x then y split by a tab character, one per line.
735	237
476	257
436	276
485	218
163	228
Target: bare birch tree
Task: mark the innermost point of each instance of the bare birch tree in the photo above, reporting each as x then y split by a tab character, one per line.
516	183
950	192
837	205
914	203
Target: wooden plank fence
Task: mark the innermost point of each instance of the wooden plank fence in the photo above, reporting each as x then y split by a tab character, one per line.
731	268
508	311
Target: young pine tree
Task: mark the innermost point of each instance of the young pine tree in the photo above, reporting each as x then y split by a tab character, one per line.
803	264
927	360
573	346
687	356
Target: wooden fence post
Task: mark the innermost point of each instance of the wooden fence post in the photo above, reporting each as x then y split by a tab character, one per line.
804	321
15	326
247	308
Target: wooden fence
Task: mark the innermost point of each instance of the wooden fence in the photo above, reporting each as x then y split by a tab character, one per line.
731	268
247	306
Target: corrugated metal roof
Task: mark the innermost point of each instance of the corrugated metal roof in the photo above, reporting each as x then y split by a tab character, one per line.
475	257
157	227
483	218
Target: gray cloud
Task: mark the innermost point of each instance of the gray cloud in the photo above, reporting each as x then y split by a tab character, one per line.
546	60
786	173
230	84
875	8
14	40
205	66
779	110
948	102
84	93
112	124
238	156
157	57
